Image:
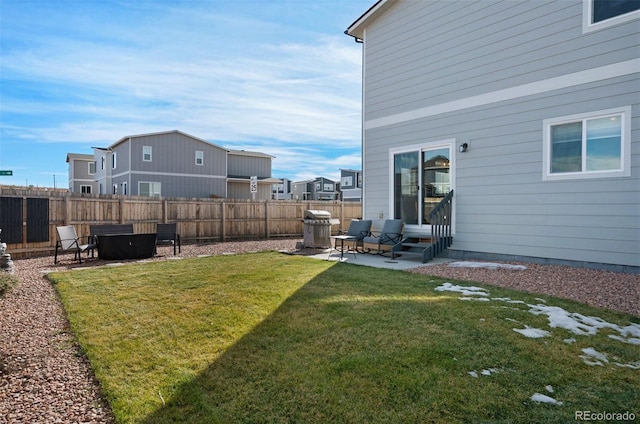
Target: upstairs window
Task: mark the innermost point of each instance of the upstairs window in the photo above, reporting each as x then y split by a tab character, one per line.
199	158
592	145
113	160
146	153
603	13
92	168
608	9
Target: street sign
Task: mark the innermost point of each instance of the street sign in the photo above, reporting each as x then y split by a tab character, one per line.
6	172
254	184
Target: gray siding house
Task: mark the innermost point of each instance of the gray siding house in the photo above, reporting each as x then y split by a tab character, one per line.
176	164
243	165
528	110
320	188
82	169
168	164
351	185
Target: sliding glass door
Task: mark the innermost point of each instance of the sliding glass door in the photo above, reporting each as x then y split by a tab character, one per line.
421	178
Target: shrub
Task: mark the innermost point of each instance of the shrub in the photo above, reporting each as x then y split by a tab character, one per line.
7	281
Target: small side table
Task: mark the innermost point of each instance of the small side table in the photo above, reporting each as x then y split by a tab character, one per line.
342	239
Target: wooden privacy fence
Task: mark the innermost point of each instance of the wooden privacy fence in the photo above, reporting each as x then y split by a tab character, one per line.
198	220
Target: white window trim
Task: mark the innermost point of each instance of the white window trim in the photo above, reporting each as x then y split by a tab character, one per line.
87	189
89	168
588	25
200	155
625	148
150	154
114	160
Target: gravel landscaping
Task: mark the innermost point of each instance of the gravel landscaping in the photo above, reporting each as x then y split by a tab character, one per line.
45	378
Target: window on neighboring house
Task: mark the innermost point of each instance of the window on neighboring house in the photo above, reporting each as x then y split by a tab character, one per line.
347	181
113	160
199	157
124	188
92	168
149	189
85	189
603	13
115	189
590	145
146	153
102	162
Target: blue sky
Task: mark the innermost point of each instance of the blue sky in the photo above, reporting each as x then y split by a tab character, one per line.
275	76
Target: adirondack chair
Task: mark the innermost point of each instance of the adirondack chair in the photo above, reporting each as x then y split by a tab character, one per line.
68	242
390	236
168	234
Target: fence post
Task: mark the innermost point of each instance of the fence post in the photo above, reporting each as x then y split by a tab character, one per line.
67	211
165	211
266	219
121	210
223	234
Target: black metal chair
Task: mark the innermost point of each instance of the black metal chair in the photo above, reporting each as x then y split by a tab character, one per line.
168	234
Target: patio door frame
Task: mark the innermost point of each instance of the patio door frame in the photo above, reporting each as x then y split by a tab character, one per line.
418	149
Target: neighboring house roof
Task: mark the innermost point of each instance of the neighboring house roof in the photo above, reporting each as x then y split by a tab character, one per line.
240	178
123	139
79	156
356	29
246	153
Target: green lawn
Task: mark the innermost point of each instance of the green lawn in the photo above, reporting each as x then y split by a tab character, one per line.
272	338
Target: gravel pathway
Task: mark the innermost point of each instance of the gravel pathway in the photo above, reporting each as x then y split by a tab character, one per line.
45	379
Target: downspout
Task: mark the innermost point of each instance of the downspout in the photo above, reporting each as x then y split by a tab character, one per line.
129	176
362	138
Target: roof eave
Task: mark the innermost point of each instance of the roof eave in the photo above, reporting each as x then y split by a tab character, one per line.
356	29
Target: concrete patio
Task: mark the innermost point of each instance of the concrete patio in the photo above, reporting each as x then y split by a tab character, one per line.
378	261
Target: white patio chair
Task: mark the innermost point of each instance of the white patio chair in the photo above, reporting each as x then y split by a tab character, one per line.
68	242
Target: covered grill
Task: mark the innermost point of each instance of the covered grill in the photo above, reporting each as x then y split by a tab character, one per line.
317	228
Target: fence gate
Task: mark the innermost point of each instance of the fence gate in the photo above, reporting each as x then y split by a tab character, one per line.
11	219
37	220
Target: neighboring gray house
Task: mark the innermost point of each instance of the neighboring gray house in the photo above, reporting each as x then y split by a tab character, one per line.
281	190
302	190
317	189
243	165
176	164
82	169
351	185
528	110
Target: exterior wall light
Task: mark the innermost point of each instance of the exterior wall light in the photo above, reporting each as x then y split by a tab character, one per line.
463	147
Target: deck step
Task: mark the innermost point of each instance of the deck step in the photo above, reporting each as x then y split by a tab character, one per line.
416	245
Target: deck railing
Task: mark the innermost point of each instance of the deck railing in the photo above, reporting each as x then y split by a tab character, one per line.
440	219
